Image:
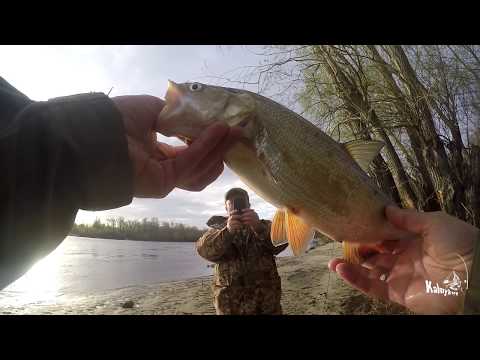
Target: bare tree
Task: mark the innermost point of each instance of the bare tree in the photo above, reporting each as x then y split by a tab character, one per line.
421	101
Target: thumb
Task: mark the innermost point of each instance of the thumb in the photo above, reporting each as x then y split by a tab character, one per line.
407	219
151	104
143	105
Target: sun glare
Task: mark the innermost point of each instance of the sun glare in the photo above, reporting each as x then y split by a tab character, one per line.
40	284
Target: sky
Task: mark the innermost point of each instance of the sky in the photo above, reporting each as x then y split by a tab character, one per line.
43	72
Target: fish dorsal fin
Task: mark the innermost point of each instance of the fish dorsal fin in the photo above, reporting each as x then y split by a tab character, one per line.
363	151
278	231
299	234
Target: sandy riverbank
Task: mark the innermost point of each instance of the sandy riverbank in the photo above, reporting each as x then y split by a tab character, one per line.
308	288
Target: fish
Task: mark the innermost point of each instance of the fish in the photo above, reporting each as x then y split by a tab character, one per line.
315	182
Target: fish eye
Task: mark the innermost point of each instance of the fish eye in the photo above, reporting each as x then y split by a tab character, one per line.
195	87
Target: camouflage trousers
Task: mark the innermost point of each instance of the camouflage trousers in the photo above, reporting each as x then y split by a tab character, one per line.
247	301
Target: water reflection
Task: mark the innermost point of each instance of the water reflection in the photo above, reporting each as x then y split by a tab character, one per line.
81	266
40	284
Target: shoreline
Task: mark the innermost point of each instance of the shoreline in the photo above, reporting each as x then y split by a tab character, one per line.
159	241
308	288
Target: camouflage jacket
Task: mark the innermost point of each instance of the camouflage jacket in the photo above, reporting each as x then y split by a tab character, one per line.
243	259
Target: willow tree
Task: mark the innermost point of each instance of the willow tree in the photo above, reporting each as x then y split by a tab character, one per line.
421	101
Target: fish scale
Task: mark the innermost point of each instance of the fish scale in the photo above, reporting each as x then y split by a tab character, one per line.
310	165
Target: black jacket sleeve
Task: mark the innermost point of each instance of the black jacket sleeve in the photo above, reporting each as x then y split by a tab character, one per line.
56	157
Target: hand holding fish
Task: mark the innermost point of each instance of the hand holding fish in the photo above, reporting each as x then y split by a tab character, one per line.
442	245
159	168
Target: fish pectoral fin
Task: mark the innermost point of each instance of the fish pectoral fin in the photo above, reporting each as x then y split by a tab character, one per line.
299	234
239	108
363	151
278	230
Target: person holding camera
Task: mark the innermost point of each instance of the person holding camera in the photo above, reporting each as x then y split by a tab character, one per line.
246	280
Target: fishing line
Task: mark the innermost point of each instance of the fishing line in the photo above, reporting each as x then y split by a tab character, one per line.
332	250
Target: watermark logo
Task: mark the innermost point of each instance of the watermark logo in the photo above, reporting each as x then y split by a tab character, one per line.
452	285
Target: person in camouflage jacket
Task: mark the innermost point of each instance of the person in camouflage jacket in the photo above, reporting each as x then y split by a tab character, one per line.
246	281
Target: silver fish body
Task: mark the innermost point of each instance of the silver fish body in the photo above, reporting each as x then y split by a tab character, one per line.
286	160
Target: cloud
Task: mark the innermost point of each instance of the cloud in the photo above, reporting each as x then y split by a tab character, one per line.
193	208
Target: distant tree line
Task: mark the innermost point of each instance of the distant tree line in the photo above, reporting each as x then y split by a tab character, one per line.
145	229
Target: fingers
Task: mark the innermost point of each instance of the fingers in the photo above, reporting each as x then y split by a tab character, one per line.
148	102
383	261
363	279
170	151
191	168
332	264
202	147
198	182
163	151
155	180
250	221
210	145
139	113
202	162
235	222
142	109
249	216
236	218
396	247
379	264
408	219
153	104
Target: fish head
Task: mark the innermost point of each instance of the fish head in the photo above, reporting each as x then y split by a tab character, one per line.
191	107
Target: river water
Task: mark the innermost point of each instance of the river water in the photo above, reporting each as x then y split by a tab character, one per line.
81	266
